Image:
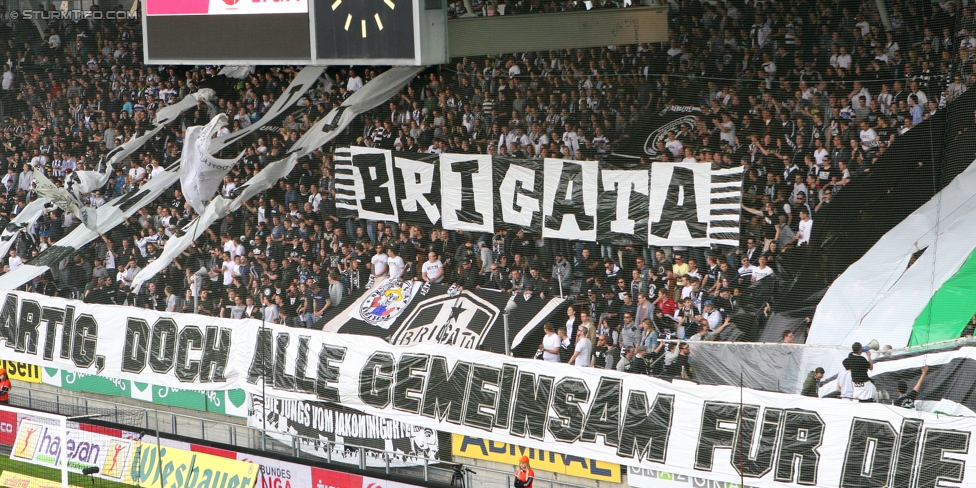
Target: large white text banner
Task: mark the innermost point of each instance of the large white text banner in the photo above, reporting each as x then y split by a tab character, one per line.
715	432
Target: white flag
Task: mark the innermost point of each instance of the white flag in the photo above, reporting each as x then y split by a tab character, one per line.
201	173
118	209
371	95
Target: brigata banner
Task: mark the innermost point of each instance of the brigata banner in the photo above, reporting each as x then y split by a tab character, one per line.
713	432
666	204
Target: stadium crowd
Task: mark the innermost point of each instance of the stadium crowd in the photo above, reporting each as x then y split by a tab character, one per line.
805	95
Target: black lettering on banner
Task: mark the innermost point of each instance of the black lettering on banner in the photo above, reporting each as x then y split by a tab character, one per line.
518	184
84	343
934	468
67	332
415	192
505	387
718	426
303	383
680	205
645	431
479	397
282	380
375	177
756	466
8	319
30	320
54	317
190	339
603	418
376	378
445	391
261	360
567	395
623	204
802	437
907	448
328	372
409	387
135	348
216	352
870	446
568	199
531	405
468	212
162	347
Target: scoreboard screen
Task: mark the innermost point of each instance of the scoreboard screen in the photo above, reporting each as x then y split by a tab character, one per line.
227	31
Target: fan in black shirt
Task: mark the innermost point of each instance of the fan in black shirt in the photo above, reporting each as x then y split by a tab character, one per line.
907	399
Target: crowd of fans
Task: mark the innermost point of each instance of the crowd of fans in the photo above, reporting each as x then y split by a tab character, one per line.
805	95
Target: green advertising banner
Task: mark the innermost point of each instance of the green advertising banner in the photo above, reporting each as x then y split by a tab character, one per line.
223	402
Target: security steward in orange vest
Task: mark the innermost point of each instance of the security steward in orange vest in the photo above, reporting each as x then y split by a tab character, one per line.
4	387
524	474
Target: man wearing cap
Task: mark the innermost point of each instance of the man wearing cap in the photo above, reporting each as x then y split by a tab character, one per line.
562	272
4	387
468	276
710	316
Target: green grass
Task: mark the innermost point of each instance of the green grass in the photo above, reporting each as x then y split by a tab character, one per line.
44	472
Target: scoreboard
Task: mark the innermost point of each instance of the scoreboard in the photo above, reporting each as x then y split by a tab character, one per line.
295	32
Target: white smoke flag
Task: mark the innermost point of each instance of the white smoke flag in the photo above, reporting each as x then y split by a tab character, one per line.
78	186
115	211
236	72
377	91
201	173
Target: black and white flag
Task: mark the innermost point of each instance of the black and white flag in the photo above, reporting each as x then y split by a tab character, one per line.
466	192
624	196
570	199
365	187
518	184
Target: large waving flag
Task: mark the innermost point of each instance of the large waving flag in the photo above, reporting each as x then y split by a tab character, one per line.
200	172
371	95
916	285
118	209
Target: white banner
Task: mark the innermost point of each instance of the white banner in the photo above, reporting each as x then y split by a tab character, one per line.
716	432
570	199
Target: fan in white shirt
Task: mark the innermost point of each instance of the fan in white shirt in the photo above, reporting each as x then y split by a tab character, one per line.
433	269
805	229
395	264
761	271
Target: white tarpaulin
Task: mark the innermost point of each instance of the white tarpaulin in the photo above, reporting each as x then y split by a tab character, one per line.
201	172
880	296
715	432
